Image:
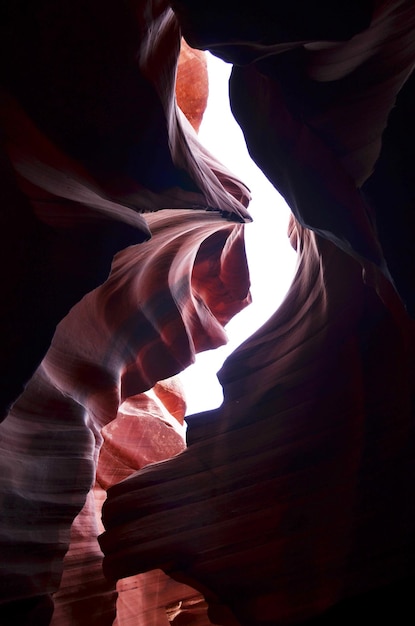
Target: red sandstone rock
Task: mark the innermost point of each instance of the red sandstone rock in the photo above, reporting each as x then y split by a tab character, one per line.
296	493
295	498
307	449
86	130
192	84
71	209
143	432
143	324
171	393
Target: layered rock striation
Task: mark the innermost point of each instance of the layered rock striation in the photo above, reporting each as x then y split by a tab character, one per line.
123	256
84	158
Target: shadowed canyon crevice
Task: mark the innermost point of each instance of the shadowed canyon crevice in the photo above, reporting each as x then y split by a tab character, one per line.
123	256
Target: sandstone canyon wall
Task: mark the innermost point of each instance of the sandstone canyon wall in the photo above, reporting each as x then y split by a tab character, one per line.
123	256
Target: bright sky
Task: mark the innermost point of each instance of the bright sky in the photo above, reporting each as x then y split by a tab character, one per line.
271	258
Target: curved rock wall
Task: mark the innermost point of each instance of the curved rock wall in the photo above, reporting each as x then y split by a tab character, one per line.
301	503
145	430
143	324
293	502
296	493
67	210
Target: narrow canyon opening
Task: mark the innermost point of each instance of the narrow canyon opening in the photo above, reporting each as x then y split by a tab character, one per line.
271	258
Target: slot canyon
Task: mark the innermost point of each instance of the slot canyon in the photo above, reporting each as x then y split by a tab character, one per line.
123	257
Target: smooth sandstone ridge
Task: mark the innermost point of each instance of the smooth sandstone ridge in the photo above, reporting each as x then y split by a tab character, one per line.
123	256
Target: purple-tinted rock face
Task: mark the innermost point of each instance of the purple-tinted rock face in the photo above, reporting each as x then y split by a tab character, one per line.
123	256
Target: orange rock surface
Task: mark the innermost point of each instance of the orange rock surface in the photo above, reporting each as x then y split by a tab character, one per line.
122	243
192	85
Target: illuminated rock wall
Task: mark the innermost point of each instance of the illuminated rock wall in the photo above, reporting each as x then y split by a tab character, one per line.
293	502
301	503
77	179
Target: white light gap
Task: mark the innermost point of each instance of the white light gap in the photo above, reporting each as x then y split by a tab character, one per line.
271	258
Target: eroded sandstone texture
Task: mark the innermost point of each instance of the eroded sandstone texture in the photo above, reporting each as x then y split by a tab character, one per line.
293	503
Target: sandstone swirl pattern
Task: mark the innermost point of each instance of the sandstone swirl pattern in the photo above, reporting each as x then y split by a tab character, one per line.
123	255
